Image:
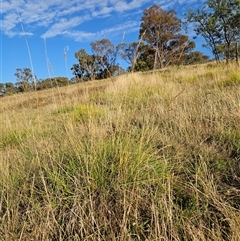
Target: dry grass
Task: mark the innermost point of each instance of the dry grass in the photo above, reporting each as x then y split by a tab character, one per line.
147	157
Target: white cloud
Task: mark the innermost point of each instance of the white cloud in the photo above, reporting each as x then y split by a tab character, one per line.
105	11
9	21
51	13
7	6
26	34
57	17
63	25
81	36
130	26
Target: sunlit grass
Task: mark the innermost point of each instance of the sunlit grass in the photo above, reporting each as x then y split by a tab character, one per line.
151	156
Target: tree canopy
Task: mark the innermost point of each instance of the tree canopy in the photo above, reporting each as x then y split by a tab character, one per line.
218	22
25	79
160	30
99	65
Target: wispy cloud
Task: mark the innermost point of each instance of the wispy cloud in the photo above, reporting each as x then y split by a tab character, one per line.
122	6
7	6
57	17
105	11
127	27
63	25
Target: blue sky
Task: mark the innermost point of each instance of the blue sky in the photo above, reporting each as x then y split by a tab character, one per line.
56	29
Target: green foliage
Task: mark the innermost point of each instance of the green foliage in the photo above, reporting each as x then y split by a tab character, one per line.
10	89
192	79
12	139
52	83
185	201
100	65
231	141
64	110
160	29
129	52
145	60
195	57
85	113
209	75
107	54
218	23
87	67
25	79
232	80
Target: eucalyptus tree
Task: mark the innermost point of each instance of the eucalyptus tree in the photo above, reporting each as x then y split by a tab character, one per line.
131	52
218	22
25	79
195	57
87	67
10	88
179	47
106	54
160	30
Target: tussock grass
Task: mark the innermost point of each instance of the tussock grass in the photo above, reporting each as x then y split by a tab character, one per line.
147	157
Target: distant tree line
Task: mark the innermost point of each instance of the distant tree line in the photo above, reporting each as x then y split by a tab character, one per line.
25	82
160	44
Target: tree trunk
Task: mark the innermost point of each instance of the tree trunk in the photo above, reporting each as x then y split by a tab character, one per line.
228	52
155	60
237	54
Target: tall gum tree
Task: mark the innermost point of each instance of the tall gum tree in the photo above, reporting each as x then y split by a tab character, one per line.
87	67
160	29
107	54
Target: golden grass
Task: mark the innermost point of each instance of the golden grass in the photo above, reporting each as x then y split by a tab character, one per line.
150	156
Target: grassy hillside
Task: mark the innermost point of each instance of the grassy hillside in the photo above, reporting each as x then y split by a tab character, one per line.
151	156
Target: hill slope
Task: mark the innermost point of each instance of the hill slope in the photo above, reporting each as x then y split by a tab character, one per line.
152	156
